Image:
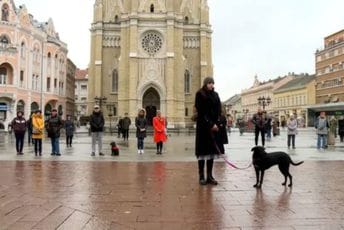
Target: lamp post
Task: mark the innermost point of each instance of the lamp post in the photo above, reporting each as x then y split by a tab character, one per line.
100	100
262	101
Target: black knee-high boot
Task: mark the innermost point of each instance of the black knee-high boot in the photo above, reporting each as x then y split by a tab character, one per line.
210	178
202	180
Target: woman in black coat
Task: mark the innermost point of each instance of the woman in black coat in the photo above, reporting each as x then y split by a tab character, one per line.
208	106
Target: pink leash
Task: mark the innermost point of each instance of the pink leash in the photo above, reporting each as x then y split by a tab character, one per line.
233	165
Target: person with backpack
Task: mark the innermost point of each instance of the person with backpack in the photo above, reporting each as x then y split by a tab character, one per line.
19	128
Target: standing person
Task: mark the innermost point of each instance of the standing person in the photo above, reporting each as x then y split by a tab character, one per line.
332	134
37	131
292	130
119	127
29	130
97	128
159	125
341	129
19	128
208	105
69	128
259	120
53	126
321	126
141	125
241	124
268	126
126	122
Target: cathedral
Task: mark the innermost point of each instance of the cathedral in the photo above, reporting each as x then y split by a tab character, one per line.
151	54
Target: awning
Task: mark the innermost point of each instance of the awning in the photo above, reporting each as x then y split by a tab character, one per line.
327	107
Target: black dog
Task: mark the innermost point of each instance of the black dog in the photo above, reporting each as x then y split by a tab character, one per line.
114	149
262	160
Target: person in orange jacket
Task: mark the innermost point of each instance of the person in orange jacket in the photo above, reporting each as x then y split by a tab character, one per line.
159	125
37	131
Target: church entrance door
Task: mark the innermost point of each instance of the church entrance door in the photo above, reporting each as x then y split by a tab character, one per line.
151	103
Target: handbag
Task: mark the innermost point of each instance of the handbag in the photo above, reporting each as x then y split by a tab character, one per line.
36	131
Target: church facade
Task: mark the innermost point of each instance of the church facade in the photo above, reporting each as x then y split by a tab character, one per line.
151	54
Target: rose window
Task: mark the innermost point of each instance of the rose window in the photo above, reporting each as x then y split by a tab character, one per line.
152	43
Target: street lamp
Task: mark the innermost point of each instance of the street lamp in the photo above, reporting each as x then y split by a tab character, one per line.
262	101
100	100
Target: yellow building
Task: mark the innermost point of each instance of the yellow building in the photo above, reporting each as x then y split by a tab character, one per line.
294	97
149	54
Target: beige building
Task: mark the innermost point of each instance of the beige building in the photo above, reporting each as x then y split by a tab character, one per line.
149	54
249	97
81	93
70	88
233	107
32	64
294	97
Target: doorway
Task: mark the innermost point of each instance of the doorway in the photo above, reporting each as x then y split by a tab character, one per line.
151	103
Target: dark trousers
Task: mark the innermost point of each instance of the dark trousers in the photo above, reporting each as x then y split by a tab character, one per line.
292	138
256	132
19	142
38	146
29	137
119	131
159	147
125	134
341	137
201	164
140	143
69	140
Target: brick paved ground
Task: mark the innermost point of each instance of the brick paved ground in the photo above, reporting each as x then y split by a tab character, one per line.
149	192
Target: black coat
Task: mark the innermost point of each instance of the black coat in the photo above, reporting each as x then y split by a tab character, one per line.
97	122
341	127
69	127
140	123
208	107
259	121
53	126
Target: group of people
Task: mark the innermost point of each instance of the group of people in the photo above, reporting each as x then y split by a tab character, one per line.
35	126
159	126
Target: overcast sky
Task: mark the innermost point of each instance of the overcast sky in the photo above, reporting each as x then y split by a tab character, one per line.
265	37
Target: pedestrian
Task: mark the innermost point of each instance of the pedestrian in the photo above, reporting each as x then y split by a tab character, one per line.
53	127
241	124
37	131
229	124
19	128
332	134
321	126
97	128
126	122
29	130
159	125
275	127
259	120
208	105
292	130
119	127
141	125
69	129
341	128
268	126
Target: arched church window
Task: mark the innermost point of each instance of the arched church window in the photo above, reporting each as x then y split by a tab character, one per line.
4	12
152	8
116	19
187	81
3	76
115	81
22	49
4	41
186	20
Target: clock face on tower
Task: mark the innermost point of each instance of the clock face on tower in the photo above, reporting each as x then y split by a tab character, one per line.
152	43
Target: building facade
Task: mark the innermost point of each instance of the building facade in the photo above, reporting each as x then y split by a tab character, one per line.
294	97
32	64
233	107
81	93
70	88
249	97
329	66
149	54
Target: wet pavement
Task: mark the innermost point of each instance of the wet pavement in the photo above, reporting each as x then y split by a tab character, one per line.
76	191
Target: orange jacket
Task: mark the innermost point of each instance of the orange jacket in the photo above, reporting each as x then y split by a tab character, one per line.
159	125
37	123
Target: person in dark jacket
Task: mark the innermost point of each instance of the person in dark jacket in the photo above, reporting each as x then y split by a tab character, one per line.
53	126
69	128
29	130
141	125
259	120
208	106
126	122
19	128
268	126
341	129
97	128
